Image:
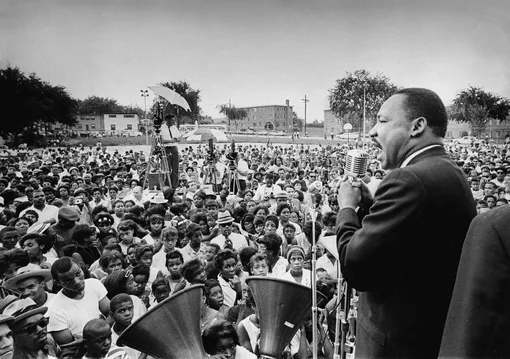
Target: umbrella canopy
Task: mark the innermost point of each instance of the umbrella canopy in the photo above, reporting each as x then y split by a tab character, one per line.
171	96
204	134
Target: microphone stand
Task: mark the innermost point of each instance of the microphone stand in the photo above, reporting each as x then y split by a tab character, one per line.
339	319
313	214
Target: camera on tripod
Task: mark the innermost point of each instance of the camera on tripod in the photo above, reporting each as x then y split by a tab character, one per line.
232	157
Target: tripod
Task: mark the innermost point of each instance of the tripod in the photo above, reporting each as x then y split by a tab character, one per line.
233	180
210	176
158	163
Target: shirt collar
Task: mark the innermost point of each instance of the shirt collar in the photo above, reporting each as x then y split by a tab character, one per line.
414	154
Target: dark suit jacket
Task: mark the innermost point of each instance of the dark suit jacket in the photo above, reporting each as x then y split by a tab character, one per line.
404	257
478	323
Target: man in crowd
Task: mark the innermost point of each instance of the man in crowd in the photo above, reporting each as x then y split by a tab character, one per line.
30	282
46	212
388	258
29	329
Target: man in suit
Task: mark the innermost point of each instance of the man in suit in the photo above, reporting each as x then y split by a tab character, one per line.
403	257
478	321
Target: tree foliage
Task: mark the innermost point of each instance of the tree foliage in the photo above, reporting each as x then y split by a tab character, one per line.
191	95
32	103
232	113
477	107
346	98
297	122
95	105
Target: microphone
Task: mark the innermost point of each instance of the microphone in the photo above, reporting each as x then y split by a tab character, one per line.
356	163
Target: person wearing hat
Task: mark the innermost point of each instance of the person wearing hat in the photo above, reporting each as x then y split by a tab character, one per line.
6	343
28	327
226	238
296	273
29	282
67	220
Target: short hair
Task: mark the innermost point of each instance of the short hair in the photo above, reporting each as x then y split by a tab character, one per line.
4	230
191	268
127	225
272	241
93	326
117	300
141	250
208	285
107	258
197	218
258	257
223	256
281	207
216	332
215	246
289	225
82	231
192	228
42	240
159	282
174	255
421	102
141	270
61	265
329	219
272	218
115	283
308	228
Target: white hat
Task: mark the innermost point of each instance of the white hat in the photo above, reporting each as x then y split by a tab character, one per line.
224	218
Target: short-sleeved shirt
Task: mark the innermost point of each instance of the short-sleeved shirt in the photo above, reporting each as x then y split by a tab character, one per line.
73	314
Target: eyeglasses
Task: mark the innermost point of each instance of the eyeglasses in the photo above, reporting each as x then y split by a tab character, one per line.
225	225
30	329
500	173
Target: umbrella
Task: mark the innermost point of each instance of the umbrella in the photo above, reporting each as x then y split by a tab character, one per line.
171	96
204	134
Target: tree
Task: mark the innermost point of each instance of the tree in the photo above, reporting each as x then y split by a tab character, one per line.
33	104
232	113
191	95
95	105
346	98
477	107
297	122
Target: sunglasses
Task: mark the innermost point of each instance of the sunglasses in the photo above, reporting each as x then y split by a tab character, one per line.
31	329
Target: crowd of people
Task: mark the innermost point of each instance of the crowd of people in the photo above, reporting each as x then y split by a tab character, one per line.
87	247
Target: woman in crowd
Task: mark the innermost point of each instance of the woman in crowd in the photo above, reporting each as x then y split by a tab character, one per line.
36	246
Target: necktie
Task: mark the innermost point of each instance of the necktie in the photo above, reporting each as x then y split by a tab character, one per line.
228	243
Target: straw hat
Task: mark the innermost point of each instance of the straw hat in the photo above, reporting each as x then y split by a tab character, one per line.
29	271
159	199
23	308
224	218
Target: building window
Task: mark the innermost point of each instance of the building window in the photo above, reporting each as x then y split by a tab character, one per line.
448	134
93	126
112	127
129	127
80	126
112	116
129	116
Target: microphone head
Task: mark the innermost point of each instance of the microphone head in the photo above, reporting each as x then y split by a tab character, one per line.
356	163
315	187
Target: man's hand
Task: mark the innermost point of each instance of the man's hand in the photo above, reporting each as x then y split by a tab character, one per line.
352	195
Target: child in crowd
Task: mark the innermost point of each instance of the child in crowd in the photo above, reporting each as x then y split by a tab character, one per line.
144	257
126	231
160	290
174	264
210	253
121	311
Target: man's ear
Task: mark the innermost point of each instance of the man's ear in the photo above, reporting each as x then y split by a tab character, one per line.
418	126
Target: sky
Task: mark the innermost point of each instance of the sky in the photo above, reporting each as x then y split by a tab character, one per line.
257	52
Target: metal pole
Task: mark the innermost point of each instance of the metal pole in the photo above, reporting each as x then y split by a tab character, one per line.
305	100
364	114
145	94
288	123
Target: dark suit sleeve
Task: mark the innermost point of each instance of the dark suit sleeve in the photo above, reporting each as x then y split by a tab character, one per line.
374	256
480	295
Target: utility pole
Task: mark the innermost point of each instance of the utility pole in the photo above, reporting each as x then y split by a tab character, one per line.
145	94
305	100
229	114
288	122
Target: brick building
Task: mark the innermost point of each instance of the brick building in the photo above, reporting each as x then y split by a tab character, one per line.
269	118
